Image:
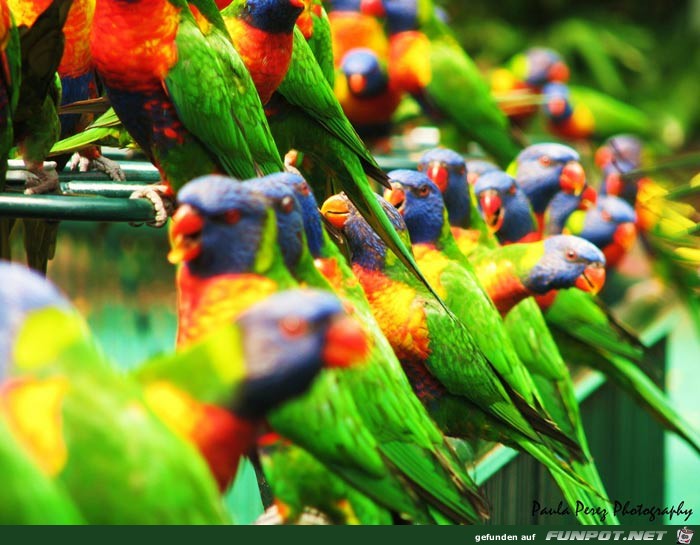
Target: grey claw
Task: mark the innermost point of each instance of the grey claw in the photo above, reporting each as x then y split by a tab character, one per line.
162	204
41	182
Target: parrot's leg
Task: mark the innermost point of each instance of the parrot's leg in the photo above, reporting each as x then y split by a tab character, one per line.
39	180
163	203
91	159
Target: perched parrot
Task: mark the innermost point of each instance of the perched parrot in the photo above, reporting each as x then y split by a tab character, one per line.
396	418
477	167
427	62
525	74
303	111
610	225
367	96
184	96
433	363
581	113
542	170
85	424
424	217
525	323
78	83
563	205
505	208
225	235
10	78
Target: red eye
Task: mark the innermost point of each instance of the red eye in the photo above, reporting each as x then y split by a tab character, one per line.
293	326
287	204
571	255
420	167
545	161
512	189
231	216
304	188
462	171
606	216
423	191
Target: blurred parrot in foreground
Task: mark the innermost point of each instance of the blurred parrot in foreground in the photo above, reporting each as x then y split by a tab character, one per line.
355	24
525	323
87	425
184	96
427	62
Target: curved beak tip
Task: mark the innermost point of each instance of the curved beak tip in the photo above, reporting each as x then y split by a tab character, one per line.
592	279
573	178
185	234
395	196
336	211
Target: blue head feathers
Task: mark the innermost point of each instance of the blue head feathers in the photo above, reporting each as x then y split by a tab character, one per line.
274	16
401	15
447	169
365	75
504	206
544	66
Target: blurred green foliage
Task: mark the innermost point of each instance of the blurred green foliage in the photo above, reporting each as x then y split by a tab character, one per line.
646	53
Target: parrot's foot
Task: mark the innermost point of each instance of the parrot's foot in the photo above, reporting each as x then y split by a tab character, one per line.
163	204
271	517
41	181
310	517
82	163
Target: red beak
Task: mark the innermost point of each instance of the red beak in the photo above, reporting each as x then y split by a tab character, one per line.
375	8
357	83
185	230
439	174
395	196
573	178
297	4
592	279
613	184
603	156
559	72
588	198
556	106
625	235
492	208
346	343
336	211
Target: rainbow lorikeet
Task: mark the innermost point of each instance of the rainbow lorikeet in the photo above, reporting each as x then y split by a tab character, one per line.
87	425
587	333
30	496
304	113
610	225
525	322
563	205
477	167
184	96
316	28
367	96
215	286
427	62
421	211
581	113
542	170
524	73
10	78
406	317
403	429
78	83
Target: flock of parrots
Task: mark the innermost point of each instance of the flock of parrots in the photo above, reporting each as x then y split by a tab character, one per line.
357	332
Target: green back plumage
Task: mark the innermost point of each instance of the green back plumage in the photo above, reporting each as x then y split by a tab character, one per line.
611	116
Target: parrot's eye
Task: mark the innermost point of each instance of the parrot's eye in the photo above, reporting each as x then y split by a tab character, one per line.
420	167
423	190
304	188
287	204
462	171
512	190
293	326
571	255
606	216
230	217
545	161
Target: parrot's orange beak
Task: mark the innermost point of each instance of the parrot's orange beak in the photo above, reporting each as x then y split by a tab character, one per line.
298	4
592	279
185	234
603	156
375	8
439	174
346	343
625	235
614	184
589	197
559	72
336	211
556	106
395	196
357	83
492	208
572	178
